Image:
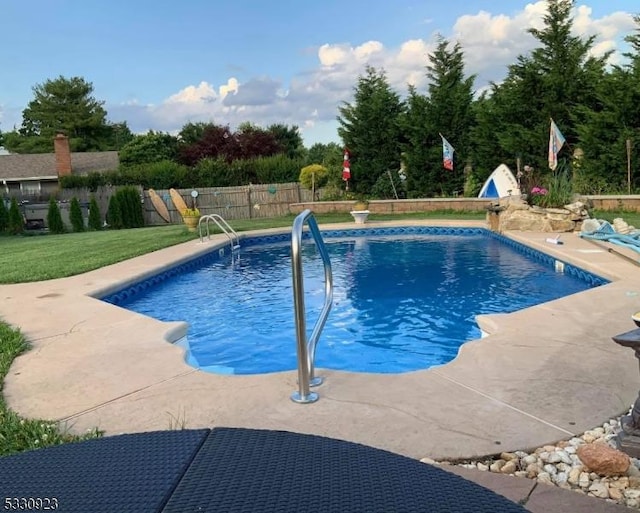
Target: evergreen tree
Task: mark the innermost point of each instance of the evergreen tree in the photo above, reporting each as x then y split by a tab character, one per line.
289	139
95	219
555	81
604	131
75	215
370	129
447	110
125	209
16	221
4	217
114	216
487	152
420	180
54	218
62	104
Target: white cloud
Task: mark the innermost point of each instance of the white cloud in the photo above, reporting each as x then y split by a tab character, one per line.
230	87
194	94
490	41
330	55
367	50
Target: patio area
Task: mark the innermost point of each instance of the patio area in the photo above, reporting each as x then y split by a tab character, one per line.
544	374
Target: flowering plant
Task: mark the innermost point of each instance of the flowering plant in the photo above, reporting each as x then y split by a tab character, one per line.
190	212
536	195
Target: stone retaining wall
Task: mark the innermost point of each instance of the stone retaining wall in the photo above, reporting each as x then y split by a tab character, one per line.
396	206
629	203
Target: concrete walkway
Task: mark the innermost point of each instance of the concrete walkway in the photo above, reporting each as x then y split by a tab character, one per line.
544	374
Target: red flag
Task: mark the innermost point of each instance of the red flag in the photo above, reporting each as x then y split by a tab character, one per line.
346	166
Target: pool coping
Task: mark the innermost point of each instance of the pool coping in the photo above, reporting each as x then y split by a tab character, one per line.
544	373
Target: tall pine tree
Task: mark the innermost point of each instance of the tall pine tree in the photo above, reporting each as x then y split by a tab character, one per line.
370	129
446	110
557	80
605	129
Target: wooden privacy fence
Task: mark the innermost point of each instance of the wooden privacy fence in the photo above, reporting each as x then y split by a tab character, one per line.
244	202
102	195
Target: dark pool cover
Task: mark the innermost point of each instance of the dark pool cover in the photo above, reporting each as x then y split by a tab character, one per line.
233	470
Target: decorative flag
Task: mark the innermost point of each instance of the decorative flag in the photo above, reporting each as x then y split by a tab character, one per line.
447	154
556	140
346	166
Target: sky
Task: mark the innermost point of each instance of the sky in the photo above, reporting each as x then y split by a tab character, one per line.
160	64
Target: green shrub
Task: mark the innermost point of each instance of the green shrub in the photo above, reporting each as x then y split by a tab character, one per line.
135	215
242	172
559	189
114	216
95	219
166	174
125	209
16	222
332	192
95	180
75	215
276	169
4	217
313	176
213	173
590	184
472	185
384	188
91	181
54	218
72	181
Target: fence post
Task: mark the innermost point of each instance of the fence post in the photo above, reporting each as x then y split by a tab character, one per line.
249	199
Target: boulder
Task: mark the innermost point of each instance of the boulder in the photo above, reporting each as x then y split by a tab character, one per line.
577	207
523	220
517	215
561	225
603	459
562	212
515	207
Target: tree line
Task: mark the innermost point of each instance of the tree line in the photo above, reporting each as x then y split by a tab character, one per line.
596	106
394	142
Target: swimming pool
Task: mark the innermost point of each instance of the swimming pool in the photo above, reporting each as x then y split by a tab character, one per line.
405	298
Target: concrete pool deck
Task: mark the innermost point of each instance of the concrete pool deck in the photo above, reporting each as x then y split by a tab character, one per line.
544	374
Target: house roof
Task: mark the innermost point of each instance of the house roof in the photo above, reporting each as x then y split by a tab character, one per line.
43	165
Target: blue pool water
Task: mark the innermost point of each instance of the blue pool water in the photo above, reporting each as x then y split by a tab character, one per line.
401	303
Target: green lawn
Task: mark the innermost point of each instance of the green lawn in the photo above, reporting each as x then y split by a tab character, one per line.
632	218
44	257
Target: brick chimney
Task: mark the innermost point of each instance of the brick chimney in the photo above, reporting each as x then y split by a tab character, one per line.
63	155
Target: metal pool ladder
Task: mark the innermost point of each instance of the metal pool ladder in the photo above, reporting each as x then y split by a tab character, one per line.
223	225
307	348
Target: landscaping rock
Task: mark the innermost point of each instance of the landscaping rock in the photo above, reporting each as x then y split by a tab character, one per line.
604	459
515	214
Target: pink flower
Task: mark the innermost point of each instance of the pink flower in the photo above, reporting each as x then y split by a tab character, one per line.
539	190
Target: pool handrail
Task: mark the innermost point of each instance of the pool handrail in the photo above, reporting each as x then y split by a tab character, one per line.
223	225
307	348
